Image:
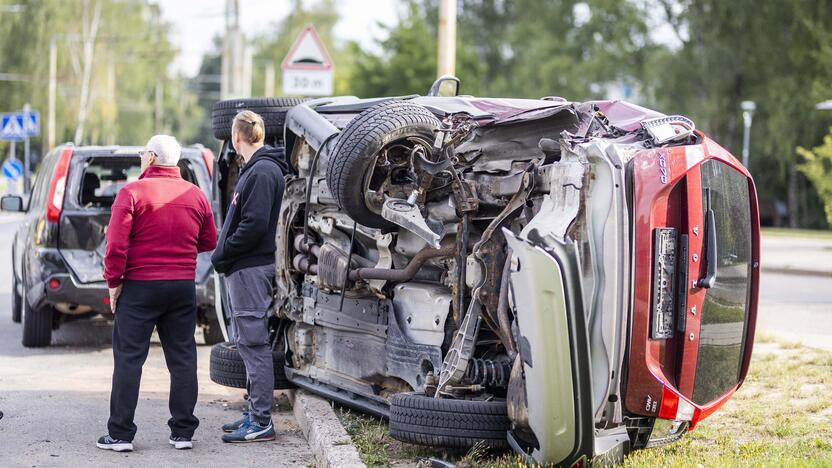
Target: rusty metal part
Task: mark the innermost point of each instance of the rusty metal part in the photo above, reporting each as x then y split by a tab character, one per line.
405	274
461	263
502	308
462	348
518	408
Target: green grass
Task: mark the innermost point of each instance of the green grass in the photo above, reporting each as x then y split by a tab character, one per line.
782	416
784	232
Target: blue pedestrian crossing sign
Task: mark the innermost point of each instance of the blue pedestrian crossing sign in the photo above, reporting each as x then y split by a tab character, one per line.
12	169
31	122
19	125
12	127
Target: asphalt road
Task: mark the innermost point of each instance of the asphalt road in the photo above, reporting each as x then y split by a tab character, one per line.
56	402
797	308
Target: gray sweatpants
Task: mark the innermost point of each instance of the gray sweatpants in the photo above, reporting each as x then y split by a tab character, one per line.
250	293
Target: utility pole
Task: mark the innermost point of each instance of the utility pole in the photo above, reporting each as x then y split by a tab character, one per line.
268	89
53	77
158	107
90	32
233	53
446	63
748	108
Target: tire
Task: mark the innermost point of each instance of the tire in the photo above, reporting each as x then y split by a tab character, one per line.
357	148
227	367
37	325
273	110
17	307
212	333
461	424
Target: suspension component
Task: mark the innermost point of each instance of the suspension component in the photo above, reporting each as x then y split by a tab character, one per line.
487	372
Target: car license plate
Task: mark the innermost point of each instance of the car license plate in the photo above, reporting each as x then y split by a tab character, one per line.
664	280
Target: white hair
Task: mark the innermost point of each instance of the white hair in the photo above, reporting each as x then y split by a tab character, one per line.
166	148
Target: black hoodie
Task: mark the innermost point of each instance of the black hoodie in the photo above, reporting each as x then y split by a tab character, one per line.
247	238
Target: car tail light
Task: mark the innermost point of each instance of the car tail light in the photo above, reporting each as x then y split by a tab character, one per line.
208	156
54	283
55	199
106	300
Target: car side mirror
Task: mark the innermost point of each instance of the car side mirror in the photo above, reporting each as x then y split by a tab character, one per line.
445	86
12	203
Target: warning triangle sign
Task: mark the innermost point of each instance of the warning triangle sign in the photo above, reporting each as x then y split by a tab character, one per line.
307	53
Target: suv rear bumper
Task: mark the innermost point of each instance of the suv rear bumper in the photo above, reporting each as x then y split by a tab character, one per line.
74	298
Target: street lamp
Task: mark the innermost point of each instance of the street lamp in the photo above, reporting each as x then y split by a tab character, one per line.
748	108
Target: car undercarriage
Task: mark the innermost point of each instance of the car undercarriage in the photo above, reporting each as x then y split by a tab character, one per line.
440	251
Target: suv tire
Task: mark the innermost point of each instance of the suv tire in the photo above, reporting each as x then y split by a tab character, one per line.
418	419
37	325
227	367
357	147
212	333
273	110
17	307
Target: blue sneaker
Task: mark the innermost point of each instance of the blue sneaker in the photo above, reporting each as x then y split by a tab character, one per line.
231	427
250	431
117	445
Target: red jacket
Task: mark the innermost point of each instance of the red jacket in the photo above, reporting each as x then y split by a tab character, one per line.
158	225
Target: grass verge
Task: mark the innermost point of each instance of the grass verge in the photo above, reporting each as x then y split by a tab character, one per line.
782	416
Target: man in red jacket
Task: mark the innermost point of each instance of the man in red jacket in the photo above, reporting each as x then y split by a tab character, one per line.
158	225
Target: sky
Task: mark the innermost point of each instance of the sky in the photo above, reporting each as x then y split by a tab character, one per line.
196	22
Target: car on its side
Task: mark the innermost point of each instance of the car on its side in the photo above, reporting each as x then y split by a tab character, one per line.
572	280
58	249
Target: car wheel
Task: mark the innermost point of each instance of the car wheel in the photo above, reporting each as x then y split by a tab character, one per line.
273	110
37	325
227	367
394	128
16	300
418	419
212	333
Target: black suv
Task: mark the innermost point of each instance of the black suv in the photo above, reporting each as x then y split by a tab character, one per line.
58	250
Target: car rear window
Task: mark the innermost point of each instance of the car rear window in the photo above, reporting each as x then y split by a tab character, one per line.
722	332
104	177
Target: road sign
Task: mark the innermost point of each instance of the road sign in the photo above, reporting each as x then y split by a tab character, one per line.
307	68
12	169
11	127
31	122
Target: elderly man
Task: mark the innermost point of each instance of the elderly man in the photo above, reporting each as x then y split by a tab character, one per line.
158	225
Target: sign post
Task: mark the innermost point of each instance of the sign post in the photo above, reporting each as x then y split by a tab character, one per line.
307	68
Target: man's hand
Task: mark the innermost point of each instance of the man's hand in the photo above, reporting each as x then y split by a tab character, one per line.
114	294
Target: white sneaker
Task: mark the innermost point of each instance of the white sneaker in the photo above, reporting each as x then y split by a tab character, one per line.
181	443
108	443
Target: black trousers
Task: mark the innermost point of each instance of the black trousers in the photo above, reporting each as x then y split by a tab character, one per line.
170	306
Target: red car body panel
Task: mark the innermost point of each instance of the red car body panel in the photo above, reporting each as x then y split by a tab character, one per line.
668	193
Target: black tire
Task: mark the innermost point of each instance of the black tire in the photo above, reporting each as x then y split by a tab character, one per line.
461	424
37	325
227	367
273	110
17	307
357	148
212	333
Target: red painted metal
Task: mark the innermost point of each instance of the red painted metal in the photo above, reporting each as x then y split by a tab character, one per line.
660	372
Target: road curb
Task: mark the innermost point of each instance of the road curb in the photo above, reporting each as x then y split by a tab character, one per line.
327	438
797	272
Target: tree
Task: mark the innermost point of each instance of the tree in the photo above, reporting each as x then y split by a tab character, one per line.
817	167
766	51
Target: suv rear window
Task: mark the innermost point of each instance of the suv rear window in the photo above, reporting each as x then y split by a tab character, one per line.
722	332
102	179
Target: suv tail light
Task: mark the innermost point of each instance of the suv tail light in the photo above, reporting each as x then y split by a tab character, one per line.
208	156
57	187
